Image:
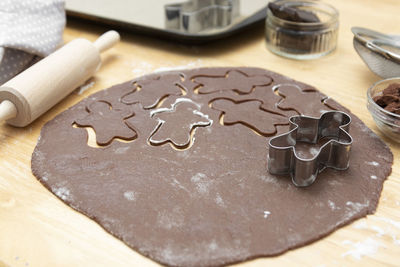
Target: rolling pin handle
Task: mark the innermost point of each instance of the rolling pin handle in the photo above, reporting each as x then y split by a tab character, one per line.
106	40
7	110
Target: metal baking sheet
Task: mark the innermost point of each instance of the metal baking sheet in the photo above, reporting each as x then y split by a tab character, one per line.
150	17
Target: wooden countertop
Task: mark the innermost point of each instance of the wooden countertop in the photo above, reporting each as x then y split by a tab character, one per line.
37	229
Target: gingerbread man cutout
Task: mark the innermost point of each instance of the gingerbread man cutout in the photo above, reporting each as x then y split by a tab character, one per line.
250	114
234	80
177	124
107	123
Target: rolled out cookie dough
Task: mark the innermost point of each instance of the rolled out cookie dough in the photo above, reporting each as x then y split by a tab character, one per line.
180	175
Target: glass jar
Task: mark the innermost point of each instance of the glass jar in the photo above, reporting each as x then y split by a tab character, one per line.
303	40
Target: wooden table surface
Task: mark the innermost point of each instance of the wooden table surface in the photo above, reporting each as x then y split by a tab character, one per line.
37	229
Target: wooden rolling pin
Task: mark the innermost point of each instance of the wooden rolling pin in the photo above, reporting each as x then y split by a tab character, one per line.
35	90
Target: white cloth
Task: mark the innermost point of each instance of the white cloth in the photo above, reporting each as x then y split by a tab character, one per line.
29	30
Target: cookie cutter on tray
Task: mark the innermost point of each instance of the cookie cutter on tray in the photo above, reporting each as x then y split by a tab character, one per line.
197	15
335	153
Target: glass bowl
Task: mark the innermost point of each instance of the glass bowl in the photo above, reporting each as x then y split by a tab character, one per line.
300	40
387	122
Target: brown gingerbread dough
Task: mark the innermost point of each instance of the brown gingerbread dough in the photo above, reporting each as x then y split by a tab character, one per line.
189	185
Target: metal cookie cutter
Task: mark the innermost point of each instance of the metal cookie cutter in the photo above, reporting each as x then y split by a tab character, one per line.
335	153
197	15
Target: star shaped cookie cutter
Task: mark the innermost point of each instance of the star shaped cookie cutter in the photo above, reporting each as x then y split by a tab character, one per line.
335	153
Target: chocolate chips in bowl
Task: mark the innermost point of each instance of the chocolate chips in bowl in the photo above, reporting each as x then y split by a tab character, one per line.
384	106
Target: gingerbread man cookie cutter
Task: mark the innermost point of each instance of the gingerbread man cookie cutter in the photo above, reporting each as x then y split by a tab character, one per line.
335	153
194	16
